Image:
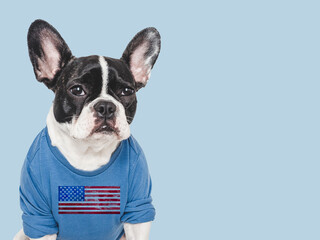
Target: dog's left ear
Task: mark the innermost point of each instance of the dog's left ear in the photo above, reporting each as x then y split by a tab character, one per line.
141	54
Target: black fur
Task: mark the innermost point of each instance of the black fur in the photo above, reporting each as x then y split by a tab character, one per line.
38	30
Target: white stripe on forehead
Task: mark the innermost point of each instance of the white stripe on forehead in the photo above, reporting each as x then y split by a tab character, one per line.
104	70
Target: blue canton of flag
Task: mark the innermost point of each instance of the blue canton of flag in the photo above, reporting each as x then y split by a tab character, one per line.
74	193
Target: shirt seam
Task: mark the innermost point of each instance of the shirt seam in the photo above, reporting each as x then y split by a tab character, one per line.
37	185
132	170
132	145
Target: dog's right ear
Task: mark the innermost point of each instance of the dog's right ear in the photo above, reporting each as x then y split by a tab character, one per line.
48	52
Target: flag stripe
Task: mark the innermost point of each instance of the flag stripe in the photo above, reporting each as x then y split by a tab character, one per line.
89	212
89	208
106	195
97	195
89	204
103	200
102	191
101	187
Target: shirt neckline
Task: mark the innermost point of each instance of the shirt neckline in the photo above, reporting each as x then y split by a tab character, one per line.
56	152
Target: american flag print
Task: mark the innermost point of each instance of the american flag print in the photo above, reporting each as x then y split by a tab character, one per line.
89	200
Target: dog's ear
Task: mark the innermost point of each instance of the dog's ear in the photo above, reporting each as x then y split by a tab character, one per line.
141	54
48	52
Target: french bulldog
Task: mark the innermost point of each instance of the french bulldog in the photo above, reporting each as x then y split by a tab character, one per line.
85	176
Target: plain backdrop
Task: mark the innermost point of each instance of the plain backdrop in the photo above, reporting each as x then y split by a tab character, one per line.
229	121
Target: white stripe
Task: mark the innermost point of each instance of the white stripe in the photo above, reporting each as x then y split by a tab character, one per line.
104	69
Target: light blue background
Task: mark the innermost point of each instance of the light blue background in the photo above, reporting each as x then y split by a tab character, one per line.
229	121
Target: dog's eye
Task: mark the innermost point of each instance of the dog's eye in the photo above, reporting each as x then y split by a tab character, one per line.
77	91
127	91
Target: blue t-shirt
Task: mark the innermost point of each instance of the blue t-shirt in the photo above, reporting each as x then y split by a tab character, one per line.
57	198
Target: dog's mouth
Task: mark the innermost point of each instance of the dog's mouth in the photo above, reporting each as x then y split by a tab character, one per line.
105	128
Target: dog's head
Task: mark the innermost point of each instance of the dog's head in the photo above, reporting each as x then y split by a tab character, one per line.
95	96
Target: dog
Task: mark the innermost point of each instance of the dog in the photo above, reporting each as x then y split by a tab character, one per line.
85	176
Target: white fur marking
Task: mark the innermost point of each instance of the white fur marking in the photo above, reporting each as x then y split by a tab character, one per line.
104	69
82	149
138	231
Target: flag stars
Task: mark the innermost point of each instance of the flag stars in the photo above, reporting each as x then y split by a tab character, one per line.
71	193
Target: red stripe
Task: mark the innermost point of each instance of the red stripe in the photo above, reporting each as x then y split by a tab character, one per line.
105	195
89	208
102	191
89	204
101	187
103	200
89	212
97	195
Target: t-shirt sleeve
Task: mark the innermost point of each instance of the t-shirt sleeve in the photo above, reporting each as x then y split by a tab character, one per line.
139	206
37	216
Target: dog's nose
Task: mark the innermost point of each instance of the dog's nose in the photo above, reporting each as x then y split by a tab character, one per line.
105	109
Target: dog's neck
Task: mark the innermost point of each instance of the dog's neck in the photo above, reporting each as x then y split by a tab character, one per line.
86	155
